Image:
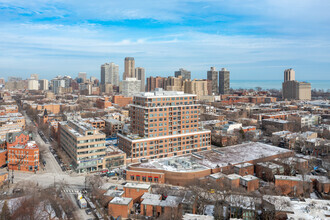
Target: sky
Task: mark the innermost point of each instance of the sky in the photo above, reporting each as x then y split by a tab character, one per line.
255	40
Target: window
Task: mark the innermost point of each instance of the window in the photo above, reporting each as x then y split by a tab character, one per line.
144	179
150	178
132	177
156	179
137	178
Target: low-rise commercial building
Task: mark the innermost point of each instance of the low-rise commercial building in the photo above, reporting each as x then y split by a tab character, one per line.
84	144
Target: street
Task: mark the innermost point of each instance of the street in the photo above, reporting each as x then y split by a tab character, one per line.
52	175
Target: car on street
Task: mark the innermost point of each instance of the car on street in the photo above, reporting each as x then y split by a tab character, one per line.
88	211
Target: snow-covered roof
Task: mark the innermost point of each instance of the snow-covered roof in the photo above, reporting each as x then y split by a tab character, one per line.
137	185
121	200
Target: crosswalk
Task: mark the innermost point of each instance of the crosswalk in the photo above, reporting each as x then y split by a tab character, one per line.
71	191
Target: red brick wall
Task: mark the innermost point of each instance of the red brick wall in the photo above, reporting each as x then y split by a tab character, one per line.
253	185
134	193
116	210
3	158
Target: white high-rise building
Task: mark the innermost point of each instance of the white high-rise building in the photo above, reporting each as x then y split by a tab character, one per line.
33	84
110	74
43	84
82	76
131	86
289	75
57	83
34	76
140	74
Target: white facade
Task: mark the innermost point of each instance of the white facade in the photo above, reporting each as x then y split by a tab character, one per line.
43	84
33	84
57	84
131	86
231	126
110	74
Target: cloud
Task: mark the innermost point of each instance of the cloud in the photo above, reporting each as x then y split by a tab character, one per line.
61	36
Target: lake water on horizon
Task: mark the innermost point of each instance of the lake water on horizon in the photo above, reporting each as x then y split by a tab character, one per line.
274	84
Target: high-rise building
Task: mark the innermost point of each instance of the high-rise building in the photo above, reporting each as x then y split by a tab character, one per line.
130	86
163	124
58	83
224	81
82	77
212	75
289	75
110	74
129	68
84	144
197	87
141	75
155	82
174	83
184	73
33	84
43	84
2	81
34	76
293	89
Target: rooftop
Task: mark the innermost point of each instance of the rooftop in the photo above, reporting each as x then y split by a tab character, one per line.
162	93
121	201
220	157
249	178
137	186
233	176
197	217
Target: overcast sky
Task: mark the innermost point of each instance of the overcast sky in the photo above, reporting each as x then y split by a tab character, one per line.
253	39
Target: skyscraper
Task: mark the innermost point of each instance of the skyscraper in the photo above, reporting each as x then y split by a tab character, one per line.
43	84
184	73
34	76
293	89
289	75
129	68
212	75
110	74
82	76
224	81
141	75
130	86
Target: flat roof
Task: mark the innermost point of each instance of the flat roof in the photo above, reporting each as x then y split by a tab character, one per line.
121	200
137	185
282	177
242	165
214	158
233	176
196	217
239	153
162	93
249	178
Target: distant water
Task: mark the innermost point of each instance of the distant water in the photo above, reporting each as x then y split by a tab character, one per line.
274	84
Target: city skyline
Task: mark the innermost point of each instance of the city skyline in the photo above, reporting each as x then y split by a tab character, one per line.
256	40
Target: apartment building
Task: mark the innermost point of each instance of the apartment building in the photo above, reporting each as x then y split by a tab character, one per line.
24	157
163	124
84	144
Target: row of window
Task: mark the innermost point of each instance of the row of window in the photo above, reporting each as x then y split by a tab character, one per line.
144	178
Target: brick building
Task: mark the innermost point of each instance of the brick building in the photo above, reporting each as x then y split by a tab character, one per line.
24	157
120	207
244	169
121	101
164	124
181	170
103	103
